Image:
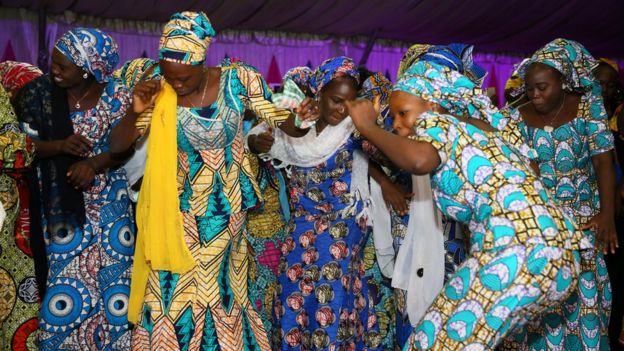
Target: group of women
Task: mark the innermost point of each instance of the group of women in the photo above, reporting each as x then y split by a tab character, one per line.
327	216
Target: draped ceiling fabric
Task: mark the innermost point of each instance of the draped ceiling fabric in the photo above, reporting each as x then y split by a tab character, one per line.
258	30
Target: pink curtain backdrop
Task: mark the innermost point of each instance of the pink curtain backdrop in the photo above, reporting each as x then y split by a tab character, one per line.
18	41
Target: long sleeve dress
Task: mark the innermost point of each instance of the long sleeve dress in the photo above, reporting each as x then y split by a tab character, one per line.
86	300
208	307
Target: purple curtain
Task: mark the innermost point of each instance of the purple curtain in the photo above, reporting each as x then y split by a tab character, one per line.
255	48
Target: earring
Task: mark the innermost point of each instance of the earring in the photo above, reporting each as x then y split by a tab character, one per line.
565	86
85	75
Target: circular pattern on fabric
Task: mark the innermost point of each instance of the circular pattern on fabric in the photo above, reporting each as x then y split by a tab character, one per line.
67	240
511	173
65	305
8	293
119	243
116	302
502	229
25	336
554	329
459	284
500	273
27	290
425	333
562	284
512	198
588	288
476	166
117	187
461	324
590	330
543	145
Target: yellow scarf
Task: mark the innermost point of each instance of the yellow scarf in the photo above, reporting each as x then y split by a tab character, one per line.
160	239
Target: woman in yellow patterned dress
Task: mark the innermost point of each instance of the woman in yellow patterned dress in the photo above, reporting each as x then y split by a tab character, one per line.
189	288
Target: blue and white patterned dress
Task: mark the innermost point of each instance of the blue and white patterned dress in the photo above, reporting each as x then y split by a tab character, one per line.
86	301
565	163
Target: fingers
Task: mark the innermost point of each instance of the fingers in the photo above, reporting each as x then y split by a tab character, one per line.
377	104
76	145
80	176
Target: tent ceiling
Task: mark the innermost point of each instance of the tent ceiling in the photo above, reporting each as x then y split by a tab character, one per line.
492	25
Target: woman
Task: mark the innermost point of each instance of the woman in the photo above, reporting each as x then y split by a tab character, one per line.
19	298
522	258
189	287
326	300
86	214
567	125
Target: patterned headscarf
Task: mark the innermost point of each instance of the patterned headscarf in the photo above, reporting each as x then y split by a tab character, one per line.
515	83
134	71
186	37
376	85
455	56
300	75
568	57
336	67
14	75
461	97
90	49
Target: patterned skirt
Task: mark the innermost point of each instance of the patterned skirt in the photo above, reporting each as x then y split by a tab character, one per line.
86	302
494	292
207	308
581	322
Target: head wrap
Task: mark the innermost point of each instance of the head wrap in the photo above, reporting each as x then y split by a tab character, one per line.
568	57
134	71
461	97
515	84
455	56
300	75
332	68
90	49
611	63
186	37
376	85
14	75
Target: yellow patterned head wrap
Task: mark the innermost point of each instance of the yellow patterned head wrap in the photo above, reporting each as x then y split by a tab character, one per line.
186	38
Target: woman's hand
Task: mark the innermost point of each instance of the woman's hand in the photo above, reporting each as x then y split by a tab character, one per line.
81	174
145	94
606	235
308	110
261	143
76	145
363	113
395	198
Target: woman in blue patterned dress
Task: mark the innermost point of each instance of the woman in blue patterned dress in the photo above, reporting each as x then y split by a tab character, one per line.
325	301
86	213
567	125
523	257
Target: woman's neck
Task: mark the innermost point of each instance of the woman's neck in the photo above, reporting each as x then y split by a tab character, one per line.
82	87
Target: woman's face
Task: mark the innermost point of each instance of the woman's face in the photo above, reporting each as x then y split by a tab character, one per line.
183	78
65	73
332	98
608	79
543	87
405	109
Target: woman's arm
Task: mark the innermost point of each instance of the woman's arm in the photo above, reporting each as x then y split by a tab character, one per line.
413	156
604	221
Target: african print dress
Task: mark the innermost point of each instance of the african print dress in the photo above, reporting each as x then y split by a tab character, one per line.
330	298
565	163
86	300
208	307
266	231
522	259
19	298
